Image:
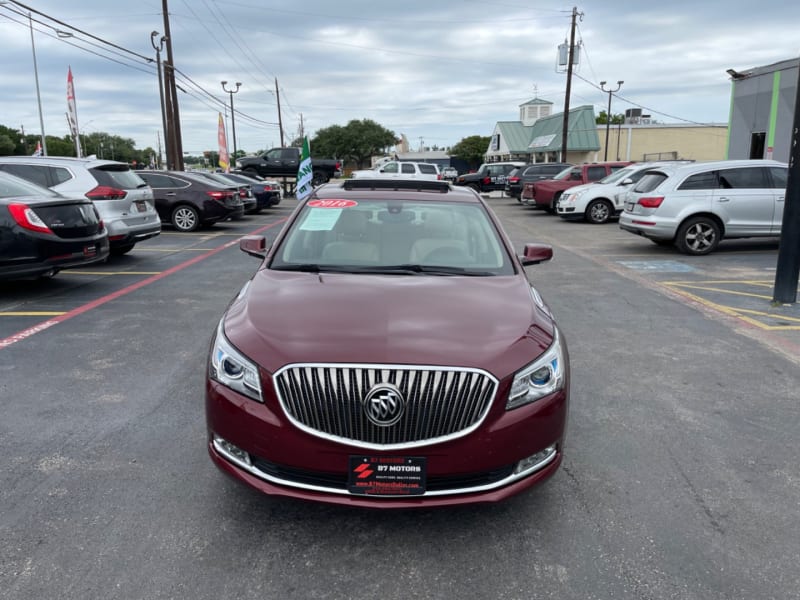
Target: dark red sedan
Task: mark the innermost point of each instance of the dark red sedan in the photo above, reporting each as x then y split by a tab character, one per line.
389	352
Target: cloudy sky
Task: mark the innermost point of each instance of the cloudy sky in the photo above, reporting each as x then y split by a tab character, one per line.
434	71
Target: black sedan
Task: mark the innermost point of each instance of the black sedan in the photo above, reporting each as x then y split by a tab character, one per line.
516	180
42	232
188	201
243	189
267	193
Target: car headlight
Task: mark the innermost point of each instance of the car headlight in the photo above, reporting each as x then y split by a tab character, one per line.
230	367
542	377
573	197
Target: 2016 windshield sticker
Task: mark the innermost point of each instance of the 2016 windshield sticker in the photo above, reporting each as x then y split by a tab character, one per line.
332	203
318	219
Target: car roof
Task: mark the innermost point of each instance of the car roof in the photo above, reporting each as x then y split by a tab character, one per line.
699	167
399	189
62	161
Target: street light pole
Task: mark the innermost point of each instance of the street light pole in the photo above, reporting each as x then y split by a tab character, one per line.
38	95
233	118
608	114
158	49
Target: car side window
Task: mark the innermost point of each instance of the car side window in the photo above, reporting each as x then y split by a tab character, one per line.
595	173
274	154
390	168
700	181
780	177
60	175
408	168
428	169
743	178
32	173
156	180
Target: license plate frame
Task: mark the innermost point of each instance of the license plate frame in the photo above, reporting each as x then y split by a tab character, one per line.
387	475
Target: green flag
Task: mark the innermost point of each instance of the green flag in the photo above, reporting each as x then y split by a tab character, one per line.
304	173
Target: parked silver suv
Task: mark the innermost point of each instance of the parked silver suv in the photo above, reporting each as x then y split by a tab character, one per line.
695	206
123	200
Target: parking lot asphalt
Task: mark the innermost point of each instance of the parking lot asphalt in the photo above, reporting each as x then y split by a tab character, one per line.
734	284
680	477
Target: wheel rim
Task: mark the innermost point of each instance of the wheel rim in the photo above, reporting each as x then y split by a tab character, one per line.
598	212
185	218
700	237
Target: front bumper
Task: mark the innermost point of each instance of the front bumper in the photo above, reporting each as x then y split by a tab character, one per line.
282	460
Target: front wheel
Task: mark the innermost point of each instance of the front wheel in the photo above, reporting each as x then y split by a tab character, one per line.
698	236
185	218
598	212
319	177
554	204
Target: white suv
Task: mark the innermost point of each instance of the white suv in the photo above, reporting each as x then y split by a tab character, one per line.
400	170
695	206
123	200
598	202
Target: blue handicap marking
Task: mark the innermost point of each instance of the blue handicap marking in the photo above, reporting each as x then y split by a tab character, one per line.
657	266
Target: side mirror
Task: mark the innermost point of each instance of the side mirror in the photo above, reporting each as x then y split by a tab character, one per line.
254	245
533	254
626	181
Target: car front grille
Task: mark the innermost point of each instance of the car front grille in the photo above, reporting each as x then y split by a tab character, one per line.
439	403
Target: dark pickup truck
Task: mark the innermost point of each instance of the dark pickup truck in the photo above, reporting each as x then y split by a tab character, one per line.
284	162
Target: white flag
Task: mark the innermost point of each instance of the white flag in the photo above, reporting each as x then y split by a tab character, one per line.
305	174
72	113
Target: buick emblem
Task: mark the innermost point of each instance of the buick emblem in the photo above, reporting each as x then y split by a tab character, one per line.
384	405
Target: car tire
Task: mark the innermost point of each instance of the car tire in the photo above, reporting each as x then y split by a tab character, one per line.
185	218
120	250
318	178
598	212
698	236
552	208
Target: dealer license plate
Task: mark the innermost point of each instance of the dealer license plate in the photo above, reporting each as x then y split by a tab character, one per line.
90	251
387	475
141	206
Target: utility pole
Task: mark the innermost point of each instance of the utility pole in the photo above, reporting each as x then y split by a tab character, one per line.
570	58
608	113
231	92
174	145
280	120
159	48
787	273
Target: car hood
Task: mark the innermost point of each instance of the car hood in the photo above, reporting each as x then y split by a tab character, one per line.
481	322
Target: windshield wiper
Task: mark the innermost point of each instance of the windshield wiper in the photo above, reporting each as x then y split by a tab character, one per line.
414	268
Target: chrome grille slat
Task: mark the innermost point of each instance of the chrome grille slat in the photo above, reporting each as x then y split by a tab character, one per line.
441	403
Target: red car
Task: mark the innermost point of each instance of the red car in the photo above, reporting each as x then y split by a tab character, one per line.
546	193
389	352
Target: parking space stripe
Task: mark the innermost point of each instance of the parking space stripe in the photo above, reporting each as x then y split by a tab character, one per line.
715	289
82	272
44	325
33	313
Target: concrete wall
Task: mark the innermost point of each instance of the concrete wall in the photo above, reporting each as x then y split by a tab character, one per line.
645	142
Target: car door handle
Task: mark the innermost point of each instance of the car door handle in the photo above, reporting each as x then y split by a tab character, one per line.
171	194
780	198
724	199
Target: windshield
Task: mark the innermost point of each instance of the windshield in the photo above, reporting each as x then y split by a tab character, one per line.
11	186
405	237
617	175
565	173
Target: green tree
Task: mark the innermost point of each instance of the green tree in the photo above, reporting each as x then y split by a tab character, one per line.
7	145
471	149
357	141
602	118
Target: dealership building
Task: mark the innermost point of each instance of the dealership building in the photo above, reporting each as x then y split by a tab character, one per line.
762	111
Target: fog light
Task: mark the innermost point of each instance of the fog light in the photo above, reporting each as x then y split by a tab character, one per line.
536	461
231	452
